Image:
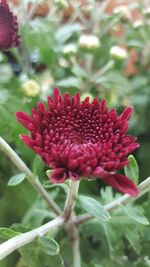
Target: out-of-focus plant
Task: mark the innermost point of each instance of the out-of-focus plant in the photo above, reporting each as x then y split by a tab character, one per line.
99	49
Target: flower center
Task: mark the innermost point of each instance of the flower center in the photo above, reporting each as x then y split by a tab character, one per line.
79	127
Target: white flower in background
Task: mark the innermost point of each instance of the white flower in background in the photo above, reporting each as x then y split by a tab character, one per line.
146	11
123	11
118	52
89	41
70	49
31	88
138	23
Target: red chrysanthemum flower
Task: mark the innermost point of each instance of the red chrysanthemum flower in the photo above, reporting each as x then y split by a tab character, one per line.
81	139
9	36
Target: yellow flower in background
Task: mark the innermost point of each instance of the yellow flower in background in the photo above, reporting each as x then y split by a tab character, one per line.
31	88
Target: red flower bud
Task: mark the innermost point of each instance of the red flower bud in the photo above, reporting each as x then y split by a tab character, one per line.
9	36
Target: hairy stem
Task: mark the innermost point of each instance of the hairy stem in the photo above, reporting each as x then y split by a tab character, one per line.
11	154
70	201
143	188
23	239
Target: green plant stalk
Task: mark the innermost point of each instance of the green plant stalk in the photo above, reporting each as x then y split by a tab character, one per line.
76	247
71	228
103	70
23	239
70	201
11	154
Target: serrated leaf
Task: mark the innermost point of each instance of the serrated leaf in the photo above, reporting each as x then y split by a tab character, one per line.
136	215
16	179
6	233
133	238
94	208
38	165
132	169
48	245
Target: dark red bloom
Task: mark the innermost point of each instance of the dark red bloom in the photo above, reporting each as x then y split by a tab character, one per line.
81	139
9	36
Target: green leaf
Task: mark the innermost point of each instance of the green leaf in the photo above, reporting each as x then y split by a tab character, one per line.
94	208
38	165
135	214
133	238
132	169
34	255
66	31
79	72
69	82
17	179
7	233
48	245
36	216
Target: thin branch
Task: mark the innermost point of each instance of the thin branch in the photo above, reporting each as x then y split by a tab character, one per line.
11	154
143	188
103	70
32	11
76	247
70	227
70	201
79	13
23	239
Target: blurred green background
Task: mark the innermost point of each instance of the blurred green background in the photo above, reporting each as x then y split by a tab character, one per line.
100	49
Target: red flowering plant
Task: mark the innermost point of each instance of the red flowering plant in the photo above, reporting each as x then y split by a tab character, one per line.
81	139
9	36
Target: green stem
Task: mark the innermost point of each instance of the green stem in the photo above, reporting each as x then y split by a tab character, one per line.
23	239
76	247
11	154
103	70
70	201
71	228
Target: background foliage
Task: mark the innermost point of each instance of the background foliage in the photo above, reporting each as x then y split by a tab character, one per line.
52	54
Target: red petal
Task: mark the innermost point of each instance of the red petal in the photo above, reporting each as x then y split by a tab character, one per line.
56	94
27	140
121	183
25	120
76	100
118	181
126	114
132	147
58	176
